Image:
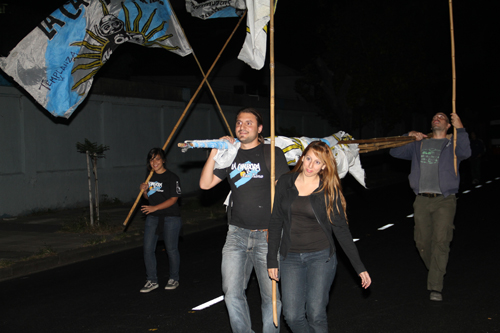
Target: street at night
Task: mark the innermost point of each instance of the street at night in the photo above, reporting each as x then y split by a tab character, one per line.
102	295
358	76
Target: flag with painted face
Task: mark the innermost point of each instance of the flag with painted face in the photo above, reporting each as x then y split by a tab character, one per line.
215	8
254	48
57	61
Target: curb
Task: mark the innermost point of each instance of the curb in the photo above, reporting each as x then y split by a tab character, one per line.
22	268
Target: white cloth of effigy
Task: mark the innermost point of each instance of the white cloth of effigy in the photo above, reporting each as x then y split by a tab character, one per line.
346	155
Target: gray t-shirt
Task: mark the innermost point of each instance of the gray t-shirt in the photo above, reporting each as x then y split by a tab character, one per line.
429	165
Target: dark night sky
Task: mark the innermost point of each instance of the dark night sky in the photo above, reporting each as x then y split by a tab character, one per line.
418	31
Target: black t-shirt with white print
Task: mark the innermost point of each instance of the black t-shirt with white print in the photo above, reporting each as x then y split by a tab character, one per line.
249	180
162	187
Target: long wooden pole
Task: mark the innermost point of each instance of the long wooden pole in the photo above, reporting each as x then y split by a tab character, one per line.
364	146
203	73
454	94
388	140
273	157
182	117
213	95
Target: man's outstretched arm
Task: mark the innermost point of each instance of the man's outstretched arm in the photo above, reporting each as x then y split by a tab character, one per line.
405	152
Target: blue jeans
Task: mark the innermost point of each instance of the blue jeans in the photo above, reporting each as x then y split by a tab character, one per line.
171	231
306	279
246	250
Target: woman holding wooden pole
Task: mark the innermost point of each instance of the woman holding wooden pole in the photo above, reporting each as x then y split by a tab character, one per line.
163	218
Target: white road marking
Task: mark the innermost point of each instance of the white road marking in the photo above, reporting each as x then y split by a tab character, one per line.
355	239
465	192
385	227
209	303
478	186
411	215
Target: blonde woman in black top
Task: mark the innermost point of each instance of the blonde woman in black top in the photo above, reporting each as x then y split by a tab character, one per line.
308	207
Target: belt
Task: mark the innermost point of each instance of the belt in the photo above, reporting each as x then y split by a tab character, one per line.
259	230
430	195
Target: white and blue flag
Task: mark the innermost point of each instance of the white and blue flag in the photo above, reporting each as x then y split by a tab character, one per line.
253	51
57	61
346	155
210	9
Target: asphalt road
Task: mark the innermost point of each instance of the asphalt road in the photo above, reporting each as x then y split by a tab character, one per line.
102	295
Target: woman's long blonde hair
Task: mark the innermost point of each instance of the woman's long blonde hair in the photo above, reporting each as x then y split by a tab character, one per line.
329	176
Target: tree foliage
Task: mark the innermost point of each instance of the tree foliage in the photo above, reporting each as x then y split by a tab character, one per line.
93	148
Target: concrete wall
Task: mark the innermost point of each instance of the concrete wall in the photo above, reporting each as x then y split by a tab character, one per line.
41	169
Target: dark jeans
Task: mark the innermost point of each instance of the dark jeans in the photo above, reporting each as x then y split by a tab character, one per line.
306	279
171	231
433	234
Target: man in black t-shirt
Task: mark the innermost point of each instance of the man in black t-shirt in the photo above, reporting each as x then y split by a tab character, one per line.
246	243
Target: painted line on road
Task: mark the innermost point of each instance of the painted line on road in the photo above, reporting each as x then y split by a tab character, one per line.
410	216
479	186
355	239
209	303
488	182
385	227
497	178
465	192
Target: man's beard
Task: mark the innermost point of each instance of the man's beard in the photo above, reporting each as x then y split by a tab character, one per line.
438	127
248	139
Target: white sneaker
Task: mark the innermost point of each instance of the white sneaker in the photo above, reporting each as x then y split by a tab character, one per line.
149	286
172	284
436	296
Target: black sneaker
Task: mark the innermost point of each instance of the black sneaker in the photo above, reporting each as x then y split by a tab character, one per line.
172	284
149	286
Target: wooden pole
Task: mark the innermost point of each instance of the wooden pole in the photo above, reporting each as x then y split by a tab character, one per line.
364	145
206	76
182	117
213	94
273	157
390	139
454	94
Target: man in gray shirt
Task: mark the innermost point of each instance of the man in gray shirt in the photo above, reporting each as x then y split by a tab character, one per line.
434	181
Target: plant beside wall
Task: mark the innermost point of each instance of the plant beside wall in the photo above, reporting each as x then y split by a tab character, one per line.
93	152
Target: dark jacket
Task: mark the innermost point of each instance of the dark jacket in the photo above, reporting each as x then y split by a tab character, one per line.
286	193
448	180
